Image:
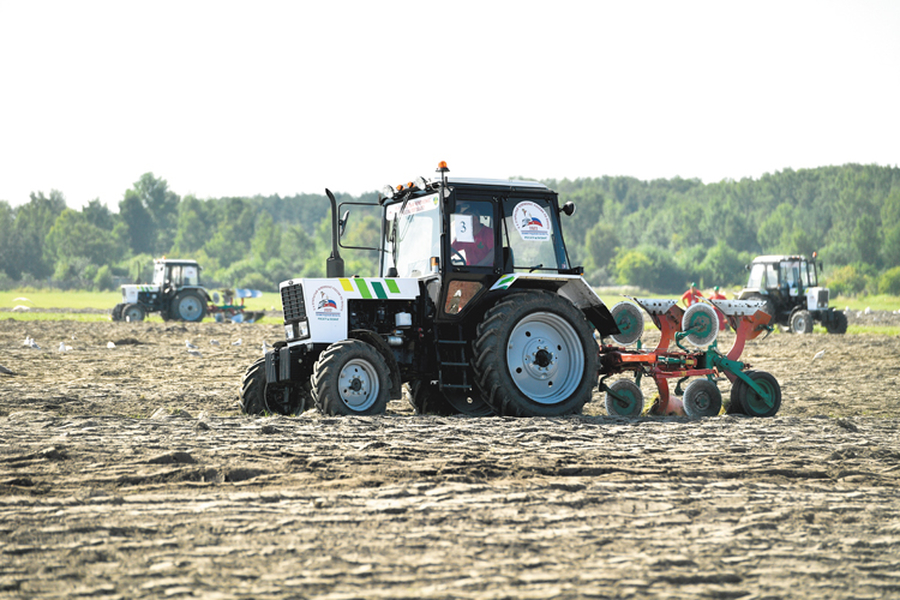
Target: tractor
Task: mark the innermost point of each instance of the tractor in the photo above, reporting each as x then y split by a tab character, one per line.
788	285
175	293
477	308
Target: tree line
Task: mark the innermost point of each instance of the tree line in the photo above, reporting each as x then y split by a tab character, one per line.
659	235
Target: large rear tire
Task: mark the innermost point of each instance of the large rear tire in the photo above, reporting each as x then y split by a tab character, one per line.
535	355
351	378
188	305
426	398
258	398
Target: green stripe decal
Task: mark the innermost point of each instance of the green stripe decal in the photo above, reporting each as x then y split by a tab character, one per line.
392	286
379	290
363	290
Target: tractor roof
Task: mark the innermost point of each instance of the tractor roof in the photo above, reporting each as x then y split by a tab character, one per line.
774	258
501	183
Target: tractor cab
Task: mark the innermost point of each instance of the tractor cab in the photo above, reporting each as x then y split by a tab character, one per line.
173	275
483	232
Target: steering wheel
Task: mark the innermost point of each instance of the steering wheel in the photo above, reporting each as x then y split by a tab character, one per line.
455	254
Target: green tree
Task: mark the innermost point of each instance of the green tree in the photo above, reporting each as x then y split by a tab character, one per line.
73	236
150	210
601	242
193	228
33	223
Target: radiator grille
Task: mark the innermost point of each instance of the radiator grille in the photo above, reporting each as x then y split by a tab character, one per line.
292	302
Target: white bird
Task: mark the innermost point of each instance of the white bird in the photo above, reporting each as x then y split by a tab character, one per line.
189	345
20	308
63	347
110	345
237	343
214	342
195	353
868	310
819	354
29	341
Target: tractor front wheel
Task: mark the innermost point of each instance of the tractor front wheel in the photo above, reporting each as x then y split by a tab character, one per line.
838	324
351	378
259	398
801	322
188	306
133	313
535	355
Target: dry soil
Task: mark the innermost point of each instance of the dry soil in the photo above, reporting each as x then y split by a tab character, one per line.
128	472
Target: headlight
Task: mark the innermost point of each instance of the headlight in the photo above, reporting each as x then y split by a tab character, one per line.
296	331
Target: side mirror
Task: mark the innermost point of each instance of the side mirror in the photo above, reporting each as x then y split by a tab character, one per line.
342	224
568	208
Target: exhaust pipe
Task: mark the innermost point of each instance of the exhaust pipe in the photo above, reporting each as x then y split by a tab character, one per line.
334	265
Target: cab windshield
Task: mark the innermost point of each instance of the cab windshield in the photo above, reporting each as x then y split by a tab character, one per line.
412	236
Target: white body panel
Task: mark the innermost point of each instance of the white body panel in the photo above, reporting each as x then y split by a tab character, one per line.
326	301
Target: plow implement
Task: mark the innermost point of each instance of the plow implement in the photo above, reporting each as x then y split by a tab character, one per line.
695	369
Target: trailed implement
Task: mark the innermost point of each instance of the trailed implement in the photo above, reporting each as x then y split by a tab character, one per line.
696	369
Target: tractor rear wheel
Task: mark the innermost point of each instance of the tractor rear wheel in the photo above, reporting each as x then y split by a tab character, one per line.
188	305
133	313
259	398
701	399
624	399
752	403
427	399
351	378
535	355
801	322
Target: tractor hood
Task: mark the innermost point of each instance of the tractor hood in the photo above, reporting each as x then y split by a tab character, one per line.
130	292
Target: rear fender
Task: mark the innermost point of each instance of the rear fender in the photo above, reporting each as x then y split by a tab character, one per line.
571	287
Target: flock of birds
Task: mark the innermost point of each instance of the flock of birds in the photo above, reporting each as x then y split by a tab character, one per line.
192	349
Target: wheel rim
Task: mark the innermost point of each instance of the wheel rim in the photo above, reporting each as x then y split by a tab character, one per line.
702	399
800	324
133	314
624	399
545	358
358	385
753	402
189	307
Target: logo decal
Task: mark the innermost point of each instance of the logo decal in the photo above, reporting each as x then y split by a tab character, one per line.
531	221
328	302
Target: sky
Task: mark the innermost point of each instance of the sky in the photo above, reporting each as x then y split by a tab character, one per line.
288	97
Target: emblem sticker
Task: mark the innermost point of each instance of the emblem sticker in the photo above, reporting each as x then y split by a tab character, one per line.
329	303
531	221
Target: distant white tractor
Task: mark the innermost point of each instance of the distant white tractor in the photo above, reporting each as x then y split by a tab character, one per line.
175	293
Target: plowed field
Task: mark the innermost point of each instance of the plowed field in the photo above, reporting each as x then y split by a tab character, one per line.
126	471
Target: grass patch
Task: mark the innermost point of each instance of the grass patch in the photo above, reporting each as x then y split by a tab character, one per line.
105	301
